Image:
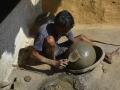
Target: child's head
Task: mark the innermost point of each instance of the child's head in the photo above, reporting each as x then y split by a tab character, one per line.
64	20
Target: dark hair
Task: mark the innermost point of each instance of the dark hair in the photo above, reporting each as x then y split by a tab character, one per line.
64	18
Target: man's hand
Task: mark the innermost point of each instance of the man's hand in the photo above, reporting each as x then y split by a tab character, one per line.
59	64
63	63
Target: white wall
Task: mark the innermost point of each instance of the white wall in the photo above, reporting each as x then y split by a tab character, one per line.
14	34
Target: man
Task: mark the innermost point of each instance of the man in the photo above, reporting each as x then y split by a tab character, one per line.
46	47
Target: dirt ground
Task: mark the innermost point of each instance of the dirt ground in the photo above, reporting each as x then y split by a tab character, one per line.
87	11
104	77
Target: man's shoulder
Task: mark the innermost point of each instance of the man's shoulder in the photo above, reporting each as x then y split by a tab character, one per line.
43	27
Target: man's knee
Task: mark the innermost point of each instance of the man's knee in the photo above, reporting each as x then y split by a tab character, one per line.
50	41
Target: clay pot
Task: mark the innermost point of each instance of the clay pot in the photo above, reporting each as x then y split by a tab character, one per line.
82	55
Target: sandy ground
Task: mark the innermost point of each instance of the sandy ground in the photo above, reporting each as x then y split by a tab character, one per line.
104	77
87	11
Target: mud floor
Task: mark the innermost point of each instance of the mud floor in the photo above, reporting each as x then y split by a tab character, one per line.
104	77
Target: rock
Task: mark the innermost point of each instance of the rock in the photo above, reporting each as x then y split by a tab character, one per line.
4	84
27	78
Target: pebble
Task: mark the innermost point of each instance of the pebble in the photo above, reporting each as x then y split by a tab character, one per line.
27	78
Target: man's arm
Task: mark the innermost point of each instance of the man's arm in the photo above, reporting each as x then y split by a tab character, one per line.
82	38
36	55
78	38
57	64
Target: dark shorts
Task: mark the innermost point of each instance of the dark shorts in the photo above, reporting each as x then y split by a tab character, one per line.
62	50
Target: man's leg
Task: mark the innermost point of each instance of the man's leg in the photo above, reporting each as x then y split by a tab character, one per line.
49	47
61	50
